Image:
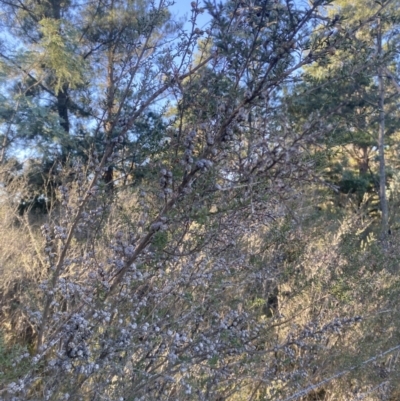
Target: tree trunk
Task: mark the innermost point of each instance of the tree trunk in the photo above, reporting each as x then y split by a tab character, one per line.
363	161
62	107
381	141
110	120
62	95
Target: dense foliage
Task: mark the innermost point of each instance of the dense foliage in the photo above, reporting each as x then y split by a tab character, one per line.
199	212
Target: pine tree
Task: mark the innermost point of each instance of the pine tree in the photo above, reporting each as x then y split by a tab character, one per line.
346	88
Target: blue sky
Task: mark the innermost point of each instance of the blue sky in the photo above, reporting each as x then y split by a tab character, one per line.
182	8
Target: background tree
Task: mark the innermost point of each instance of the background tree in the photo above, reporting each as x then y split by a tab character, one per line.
354	88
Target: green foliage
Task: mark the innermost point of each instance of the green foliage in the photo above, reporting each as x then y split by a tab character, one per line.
13	362
59	54
160	240
350	183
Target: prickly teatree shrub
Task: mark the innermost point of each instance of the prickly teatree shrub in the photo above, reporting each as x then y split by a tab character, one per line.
199	271
220	300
